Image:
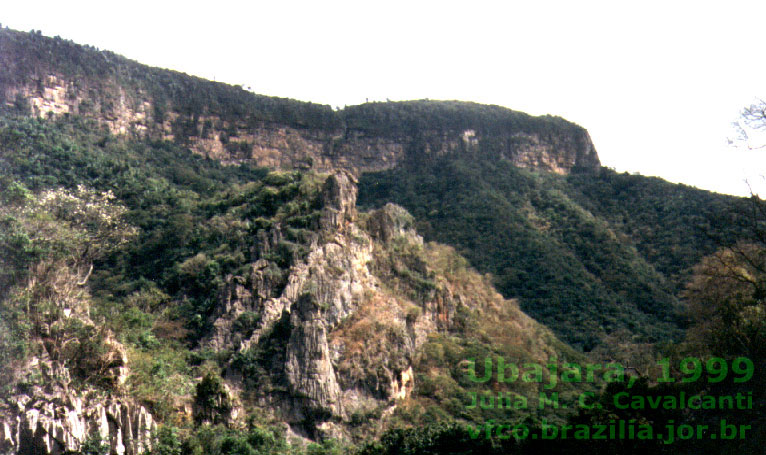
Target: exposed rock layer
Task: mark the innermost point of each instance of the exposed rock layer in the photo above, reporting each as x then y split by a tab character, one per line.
348	334
124	111
50	418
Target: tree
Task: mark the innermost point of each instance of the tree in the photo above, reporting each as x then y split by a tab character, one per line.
726	296
751	126
727	301
212	400
48	243
165	441
94	445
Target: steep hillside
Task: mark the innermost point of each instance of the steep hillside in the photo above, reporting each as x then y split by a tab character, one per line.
440	156
672	226
596	257
228	297
184	268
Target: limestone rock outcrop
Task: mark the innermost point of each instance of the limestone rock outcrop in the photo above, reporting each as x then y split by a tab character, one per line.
48	417
280	146
213	119
325	370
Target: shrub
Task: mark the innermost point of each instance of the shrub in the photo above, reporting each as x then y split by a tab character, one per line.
94	445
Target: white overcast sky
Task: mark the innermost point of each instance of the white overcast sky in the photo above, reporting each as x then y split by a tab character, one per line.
657	84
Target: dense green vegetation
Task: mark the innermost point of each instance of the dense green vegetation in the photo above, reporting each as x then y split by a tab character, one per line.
572	267
424	117
613	252
199	216
185	224
192	223
601	258
673	226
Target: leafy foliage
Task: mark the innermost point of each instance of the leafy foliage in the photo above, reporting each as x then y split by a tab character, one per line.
576	272
164	230
598	256
673	226
424	117
43	294
94	445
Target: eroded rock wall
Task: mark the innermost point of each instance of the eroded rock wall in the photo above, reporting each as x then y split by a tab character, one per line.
125	111
46	416
330	369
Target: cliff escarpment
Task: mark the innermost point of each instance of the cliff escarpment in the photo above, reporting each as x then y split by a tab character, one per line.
50	76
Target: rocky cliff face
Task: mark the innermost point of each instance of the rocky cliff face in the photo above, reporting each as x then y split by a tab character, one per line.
71	386
45	415
312	303
43	76
350	319
280	146
324	337
57	423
